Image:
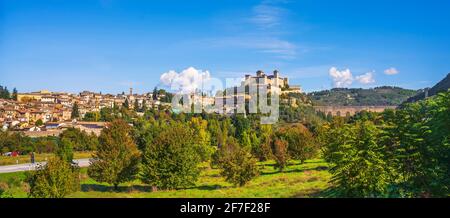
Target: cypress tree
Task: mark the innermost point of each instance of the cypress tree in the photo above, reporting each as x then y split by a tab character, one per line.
14	94
75	111
155	94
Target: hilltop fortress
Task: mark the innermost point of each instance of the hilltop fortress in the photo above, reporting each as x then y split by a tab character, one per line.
261	79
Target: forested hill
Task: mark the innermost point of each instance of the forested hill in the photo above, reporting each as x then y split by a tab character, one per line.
379	96
441	86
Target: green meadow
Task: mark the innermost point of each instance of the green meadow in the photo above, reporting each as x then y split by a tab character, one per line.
310	179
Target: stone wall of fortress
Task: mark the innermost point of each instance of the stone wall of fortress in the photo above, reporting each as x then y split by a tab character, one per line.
352	110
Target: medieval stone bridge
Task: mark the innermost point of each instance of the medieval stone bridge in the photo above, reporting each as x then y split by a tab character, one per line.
352	110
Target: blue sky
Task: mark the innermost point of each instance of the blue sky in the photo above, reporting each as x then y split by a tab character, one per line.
110	45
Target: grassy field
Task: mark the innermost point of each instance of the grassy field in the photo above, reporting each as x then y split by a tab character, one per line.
306	180
6	160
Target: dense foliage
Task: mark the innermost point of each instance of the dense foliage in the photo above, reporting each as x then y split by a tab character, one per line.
17	141
65	150
385	95
402	153
56	179
81	140
236	163
6	94
117	157
171	159
397	153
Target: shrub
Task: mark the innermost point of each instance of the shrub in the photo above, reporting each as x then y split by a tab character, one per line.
56	179
237	164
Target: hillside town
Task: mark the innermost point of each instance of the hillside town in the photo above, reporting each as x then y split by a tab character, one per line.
41	110
43	113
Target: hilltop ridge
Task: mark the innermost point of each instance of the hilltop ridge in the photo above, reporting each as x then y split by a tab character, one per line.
379	96
441	86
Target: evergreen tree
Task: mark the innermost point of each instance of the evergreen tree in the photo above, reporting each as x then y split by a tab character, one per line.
14	94
7	95
4	93
144	106
155	94
136	106
75	111
126	104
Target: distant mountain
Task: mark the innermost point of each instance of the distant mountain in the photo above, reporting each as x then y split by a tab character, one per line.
379	96
441	86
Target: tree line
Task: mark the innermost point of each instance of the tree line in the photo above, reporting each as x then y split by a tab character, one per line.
17	141
6	94
165	150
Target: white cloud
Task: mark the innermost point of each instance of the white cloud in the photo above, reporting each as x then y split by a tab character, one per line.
187	81
261	28
391	71
366	78
267	16
280	48
341	79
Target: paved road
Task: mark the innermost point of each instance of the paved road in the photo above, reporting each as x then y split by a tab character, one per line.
28	166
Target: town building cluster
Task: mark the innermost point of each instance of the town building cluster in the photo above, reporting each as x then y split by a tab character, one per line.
56	107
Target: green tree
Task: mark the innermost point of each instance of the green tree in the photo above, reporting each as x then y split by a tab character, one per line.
136	106
14	94
117	157
56	179
126	104
171	160
281	153
65	150
144	106
155	94
301	142
358	166
263	150
5	93
202	138
419	137
75	111
80	140
236	163
108	114
92	116
39	122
